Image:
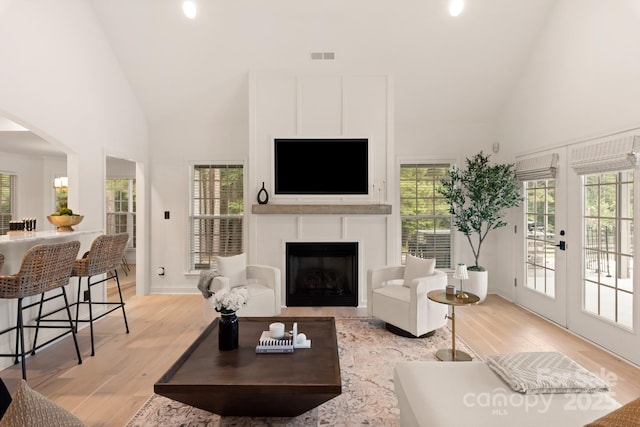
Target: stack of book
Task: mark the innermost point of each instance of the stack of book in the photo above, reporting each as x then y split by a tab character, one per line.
266	344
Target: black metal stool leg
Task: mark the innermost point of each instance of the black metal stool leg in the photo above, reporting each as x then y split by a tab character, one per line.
73	333
15	360
35	338
20	331
93	352
78	301
126	324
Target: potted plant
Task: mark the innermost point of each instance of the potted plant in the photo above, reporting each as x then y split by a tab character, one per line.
478	197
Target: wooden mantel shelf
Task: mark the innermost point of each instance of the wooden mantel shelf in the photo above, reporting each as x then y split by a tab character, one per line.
318	209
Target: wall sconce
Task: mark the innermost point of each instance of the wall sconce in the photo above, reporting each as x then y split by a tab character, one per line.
461	273
61	183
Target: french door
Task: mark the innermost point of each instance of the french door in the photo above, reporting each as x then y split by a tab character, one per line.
604	306
576	245
542	238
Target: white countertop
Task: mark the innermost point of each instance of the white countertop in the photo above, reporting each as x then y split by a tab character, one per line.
14	246
43	235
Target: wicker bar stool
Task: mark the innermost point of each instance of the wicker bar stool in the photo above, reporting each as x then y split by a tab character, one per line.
104	256
44	268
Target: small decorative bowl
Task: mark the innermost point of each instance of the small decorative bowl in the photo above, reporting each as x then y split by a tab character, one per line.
65	222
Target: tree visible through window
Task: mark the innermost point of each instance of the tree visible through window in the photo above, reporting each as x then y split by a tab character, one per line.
424	213
608	246
217	213
121	207
541	229
7	194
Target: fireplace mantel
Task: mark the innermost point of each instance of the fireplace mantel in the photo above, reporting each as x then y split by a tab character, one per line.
317	209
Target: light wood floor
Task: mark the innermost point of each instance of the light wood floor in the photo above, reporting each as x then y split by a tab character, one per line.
107	389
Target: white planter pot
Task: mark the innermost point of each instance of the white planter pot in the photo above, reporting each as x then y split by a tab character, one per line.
477	283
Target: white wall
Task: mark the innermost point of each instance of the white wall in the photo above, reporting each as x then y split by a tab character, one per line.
198	135
580	81
282	105
120	168
205	135
60	79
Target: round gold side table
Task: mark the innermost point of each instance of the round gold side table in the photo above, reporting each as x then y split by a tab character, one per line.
440	296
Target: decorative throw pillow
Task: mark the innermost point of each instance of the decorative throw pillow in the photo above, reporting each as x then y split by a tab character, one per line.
545	372
233	267
627	415
5	398
415	267
31	409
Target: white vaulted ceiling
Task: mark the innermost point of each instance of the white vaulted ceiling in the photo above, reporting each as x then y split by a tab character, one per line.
444	68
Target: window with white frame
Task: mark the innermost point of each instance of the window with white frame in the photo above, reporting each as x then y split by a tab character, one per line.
217	211
424	213
541	229
608	246
121	207
607	170
7	200
537	175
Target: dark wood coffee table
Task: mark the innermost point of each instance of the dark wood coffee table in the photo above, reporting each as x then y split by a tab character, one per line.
241	382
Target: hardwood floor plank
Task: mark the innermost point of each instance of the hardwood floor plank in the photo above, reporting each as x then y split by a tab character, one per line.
109	388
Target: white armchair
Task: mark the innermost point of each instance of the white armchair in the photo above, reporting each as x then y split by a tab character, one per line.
262	282
398	296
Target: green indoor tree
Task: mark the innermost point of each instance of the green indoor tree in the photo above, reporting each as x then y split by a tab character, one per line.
478	197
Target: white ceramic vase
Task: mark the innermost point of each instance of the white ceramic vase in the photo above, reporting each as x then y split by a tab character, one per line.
477	283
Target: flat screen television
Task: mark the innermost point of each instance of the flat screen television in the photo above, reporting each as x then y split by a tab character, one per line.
323	166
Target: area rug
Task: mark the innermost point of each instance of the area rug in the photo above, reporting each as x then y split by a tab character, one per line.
368	354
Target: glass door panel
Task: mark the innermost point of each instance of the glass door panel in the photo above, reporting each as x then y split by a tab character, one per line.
540	287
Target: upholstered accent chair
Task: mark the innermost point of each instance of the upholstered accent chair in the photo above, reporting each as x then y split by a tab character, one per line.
398	296
262	282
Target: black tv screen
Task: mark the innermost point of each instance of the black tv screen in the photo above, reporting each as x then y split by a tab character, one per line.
321	166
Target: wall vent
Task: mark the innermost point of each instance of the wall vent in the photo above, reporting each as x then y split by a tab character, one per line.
326	56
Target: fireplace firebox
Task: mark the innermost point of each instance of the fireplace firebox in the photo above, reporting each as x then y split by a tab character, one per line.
322	274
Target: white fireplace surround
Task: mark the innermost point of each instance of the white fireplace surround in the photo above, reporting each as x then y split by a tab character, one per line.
322	106
370	232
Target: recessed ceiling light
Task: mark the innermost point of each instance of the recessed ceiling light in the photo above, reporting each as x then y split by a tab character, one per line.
189	9
455	7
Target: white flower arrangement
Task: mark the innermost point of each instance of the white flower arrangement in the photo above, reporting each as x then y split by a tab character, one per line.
229	300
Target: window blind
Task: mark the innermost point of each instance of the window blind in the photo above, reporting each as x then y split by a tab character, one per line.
607	156
217	214
540	167
424	213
